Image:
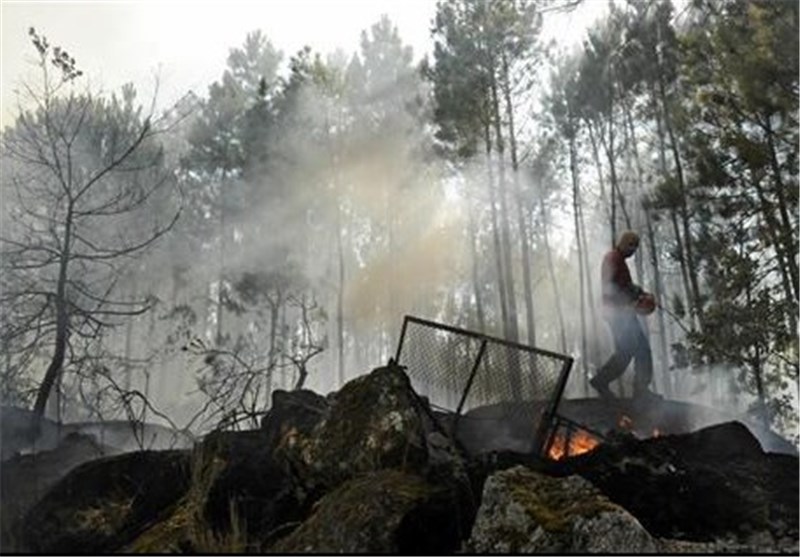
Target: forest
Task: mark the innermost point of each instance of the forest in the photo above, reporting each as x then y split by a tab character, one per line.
271	232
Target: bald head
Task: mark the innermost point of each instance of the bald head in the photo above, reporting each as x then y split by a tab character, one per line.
627	243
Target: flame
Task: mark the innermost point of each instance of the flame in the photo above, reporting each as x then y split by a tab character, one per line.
626	423
579	442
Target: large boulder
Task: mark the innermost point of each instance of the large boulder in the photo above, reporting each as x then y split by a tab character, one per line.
292	413
703	486
240	498
25	479
252	485
388	511
373	423
523	511
103	504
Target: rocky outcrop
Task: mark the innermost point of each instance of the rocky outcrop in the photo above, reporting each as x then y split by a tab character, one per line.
292	413
104	503
523	511
366	470
252	486
713	484
239	497
25	479
388	511
667	417
373	423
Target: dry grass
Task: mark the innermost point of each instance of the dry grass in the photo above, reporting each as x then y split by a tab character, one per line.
186	528
106	518
204	540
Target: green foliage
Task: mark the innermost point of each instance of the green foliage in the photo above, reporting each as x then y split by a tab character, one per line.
475	44
711	87
742	154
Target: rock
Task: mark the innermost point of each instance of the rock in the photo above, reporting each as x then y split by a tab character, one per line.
260	486
523	511
388	511
25	479
240	497
103	504
373	423
670	417
292	412
699	486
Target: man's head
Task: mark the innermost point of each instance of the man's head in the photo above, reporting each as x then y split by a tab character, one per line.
627	243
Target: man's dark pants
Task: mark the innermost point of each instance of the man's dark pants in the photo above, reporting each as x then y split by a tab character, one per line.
630	343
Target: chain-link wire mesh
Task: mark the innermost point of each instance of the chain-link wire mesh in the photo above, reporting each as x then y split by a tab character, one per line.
501	395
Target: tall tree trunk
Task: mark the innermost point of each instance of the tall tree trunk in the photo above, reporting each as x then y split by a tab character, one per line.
511	328
151	329
272	366
476	286
617	198
221	278
772	232
683	208
62	323
340	297
679	251
551	269
576	211
129	344
284	341
758	375
590	276
788	232
302	370
523	227
390	284
601	182
501	283
524	230
651	241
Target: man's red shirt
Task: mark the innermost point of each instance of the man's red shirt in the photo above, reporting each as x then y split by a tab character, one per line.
618	287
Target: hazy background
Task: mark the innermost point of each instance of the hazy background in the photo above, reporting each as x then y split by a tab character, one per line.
377	200
186	43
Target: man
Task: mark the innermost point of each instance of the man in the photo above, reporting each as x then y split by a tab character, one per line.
622	299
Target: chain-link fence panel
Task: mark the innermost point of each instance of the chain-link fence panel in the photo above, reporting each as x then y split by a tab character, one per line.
438	360
493	394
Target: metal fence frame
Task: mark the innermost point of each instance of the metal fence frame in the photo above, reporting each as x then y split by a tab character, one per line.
569	428
549	417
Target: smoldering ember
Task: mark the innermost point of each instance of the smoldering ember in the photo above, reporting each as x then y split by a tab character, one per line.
502	276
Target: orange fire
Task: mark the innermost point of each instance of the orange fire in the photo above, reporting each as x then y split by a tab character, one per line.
579	442
625	423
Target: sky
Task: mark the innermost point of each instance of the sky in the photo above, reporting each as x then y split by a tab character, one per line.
185	43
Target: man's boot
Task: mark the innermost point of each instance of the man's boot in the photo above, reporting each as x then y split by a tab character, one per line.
643	396
602	388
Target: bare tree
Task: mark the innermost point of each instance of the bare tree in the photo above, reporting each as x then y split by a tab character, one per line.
236	379
85	192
